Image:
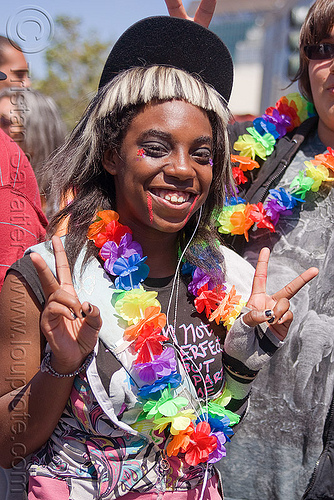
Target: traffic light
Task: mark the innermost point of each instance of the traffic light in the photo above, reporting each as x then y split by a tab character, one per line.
297	17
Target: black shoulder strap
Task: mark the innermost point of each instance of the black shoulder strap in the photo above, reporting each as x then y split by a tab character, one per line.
26	269
274	166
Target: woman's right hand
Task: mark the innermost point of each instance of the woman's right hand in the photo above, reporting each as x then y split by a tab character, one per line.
71	328
202	16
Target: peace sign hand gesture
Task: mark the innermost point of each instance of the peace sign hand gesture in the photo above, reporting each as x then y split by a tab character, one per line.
275	308
71	328
202	16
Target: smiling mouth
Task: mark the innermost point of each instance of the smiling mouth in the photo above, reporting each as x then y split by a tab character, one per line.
174	197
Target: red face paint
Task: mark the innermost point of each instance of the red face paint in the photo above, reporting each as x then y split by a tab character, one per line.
141	152
191	209
149	206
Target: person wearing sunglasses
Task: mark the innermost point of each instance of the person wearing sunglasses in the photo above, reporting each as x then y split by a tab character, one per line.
301	377
320	51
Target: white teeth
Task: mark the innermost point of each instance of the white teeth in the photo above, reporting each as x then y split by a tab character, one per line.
172	197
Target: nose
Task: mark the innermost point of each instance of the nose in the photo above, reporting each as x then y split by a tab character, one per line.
180	166
331	66
27	82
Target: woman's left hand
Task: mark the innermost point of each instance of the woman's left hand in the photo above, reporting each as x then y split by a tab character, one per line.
273	308
203	14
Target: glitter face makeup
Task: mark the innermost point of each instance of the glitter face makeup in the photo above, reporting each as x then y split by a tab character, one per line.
149	206
141	153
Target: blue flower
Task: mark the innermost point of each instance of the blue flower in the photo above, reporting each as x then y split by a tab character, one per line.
188	268
130	271
284	198
218	425
264	126
229	202
154	391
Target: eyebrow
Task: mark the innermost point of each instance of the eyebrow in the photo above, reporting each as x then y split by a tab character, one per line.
26	69
159	134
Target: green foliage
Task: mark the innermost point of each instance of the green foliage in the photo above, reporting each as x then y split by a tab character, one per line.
74	64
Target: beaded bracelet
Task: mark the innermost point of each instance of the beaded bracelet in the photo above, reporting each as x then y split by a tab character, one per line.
47	368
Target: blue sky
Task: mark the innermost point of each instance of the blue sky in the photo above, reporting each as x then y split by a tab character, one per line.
25	22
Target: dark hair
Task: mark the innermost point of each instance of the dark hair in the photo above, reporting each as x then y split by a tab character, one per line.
77	167
317	26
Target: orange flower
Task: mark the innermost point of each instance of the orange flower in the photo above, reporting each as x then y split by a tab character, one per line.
180	442
325	159
245	163
103	218
152	316
226	306
241	221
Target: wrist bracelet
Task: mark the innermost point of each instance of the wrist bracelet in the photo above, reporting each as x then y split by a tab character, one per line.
47	368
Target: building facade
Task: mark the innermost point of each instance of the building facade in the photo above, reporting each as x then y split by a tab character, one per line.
262	36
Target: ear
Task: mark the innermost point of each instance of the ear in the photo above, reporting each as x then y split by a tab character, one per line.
109	161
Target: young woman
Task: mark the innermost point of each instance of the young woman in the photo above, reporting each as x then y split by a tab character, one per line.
133	395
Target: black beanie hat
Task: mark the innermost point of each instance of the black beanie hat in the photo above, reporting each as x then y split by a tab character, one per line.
170	41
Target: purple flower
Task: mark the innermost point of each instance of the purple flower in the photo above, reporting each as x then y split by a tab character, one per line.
161	366
110	252
281	122
130	271
220	451
274	210
212	275
154	391
200	278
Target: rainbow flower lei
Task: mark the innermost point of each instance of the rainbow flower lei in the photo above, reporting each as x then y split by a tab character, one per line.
237	216
198	434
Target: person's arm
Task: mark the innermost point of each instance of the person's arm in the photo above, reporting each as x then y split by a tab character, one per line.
203	14
32	401
257	334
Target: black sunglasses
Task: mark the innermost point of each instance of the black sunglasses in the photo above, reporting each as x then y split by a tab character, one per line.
319	52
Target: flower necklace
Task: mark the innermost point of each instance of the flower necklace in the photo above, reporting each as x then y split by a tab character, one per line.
237	217
198	434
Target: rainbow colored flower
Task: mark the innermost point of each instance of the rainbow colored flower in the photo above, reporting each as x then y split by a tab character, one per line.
289	112
155	364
